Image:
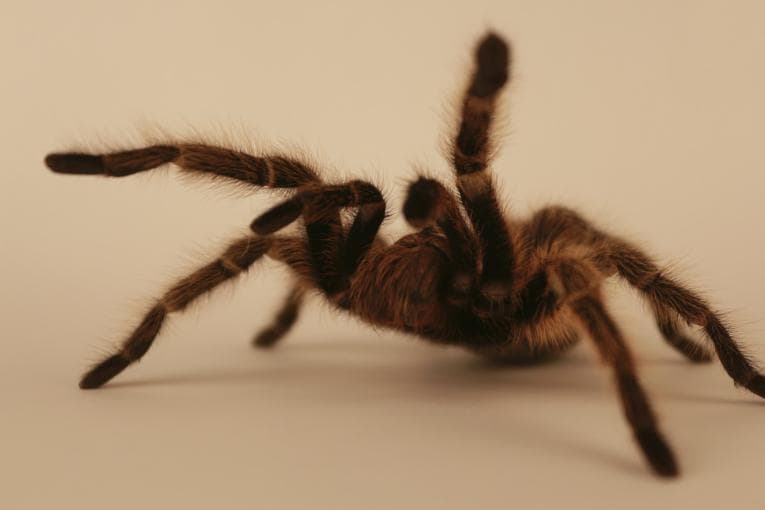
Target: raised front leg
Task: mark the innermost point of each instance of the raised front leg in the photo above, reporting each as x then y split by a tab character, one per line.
472	151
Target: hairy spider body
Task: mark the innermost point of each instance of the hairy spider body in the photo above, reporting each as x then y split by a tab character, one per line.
518	291
401	286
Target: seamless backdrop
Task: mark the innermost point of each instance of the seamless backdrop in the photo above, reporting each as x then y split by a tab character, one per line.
647	116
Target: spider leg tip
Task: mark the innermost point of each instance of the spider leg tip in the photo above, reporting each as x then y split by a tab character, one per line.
493	59
103	372
266	339
74	163
757	385
420	202
494	40
658	453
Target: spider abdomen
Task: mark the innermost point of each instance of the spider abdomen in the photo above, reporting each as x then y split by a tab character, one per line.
400	286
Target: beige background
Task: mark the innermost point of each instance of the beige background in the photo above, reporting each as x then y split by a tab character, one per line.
646	115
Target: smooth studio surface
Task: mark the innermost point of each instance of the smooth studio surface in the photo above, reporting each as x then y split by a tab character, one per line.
648	117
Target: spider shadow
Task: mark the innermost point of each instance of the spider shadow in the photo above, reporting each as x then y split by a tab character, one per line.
345	371
452	373
344	368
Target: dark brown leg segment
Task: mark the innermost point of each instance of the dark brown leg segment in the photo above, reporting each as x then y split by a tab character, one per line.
269	171
335	255
637	409
472	150
237	258
366	224
283	321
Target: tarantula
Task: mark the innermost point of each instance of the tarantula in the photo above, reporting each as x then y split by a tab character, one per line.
517	291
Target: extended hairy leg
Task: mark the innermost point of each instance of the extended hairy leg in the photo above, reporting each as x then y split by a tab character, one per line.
237	258
665	293
471	155
554	228
269	171
637	408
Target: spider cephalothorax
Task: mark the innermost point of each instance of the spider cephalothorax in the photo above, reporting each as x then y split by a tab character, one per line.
514	290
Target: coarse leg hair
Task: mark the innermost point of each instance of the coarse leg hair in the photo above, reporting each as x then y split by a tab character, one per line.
482	253
667	295
482	258
334	255
553	226
668	298
237	258
471	155
637	409
576	283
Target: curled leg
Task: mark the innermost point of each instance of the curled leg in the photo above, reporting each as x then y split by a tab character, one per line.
335	255
237	258
284	320
637	409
